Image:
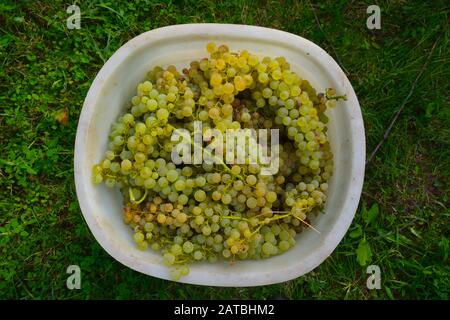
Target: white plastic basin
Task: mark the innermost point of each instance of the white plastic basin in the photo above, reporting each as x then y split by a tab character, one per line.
116	83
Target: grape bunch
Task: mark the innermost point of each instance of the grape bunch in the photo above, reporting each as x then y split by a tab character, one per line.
212	211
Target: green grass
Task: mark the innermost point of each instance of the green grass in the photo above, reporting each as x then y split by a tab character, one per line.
46	70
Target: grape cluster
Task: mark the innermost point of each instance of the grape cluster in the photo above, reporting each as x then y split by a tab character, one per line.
227	210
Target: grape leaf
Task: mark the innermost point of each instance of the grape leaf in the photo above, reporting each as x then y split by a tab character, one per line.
370	215
356	233
363	253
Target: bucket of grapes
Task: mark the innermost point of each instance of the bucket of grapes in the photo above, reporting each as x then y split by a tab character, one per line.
225	155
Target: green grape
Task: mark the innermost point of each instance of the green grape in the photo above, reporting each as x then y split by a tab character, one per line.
206	230
143	245
200	195
188	247
216	177
140	128
115	167
226	253
226	199
175	274
199	220
251	203
216	196
128	119
126	165
235	169
200	181
176	249
251	180
109	155
267	248
138	237
180	185
145	172
172	175
169	258
269	237
238	185
209	212
241	198
140	157
162	114
110	182
97	178
163	182
184	270
182	199
198	255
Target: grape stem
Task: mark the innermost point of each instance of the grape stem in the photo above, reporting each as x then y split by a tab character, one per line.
133	199
306	223
220	161
303	221
235	218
